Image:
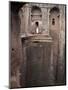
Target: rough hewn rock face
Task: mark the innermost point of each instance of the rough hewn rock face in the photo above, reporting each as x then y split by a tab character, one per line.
15	50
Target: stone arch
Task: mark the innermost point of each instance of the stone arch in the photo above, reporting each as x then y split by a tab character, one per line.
36	10
36	16
36	13
54	18
54	9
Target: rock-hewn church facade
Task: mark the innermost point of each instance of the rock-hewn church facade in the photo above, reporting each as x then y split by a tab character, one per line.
37	44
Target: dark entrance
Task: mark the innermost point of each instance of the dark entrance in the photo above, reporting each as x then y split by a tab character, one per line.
37	64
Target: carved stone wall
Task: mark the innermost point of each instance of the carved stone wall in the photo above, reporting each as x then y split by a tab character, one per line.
22	29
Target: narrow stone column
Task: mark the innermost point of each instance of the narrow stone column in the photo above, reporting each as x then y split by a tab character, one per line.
21	16
51	70
61	61
26	17
45	20
48	10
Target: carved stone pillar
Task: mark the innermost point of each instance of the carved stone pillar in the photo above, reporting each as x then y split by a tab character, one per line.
61	61
45	20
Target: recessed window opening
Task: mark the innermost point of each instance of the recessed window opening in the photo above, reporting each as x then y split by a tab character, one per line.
37	24
54	9
37	29
53	21
36	9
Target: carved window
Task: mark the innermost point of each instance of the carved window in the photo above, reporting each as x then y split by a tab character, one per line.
37	24
53	21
